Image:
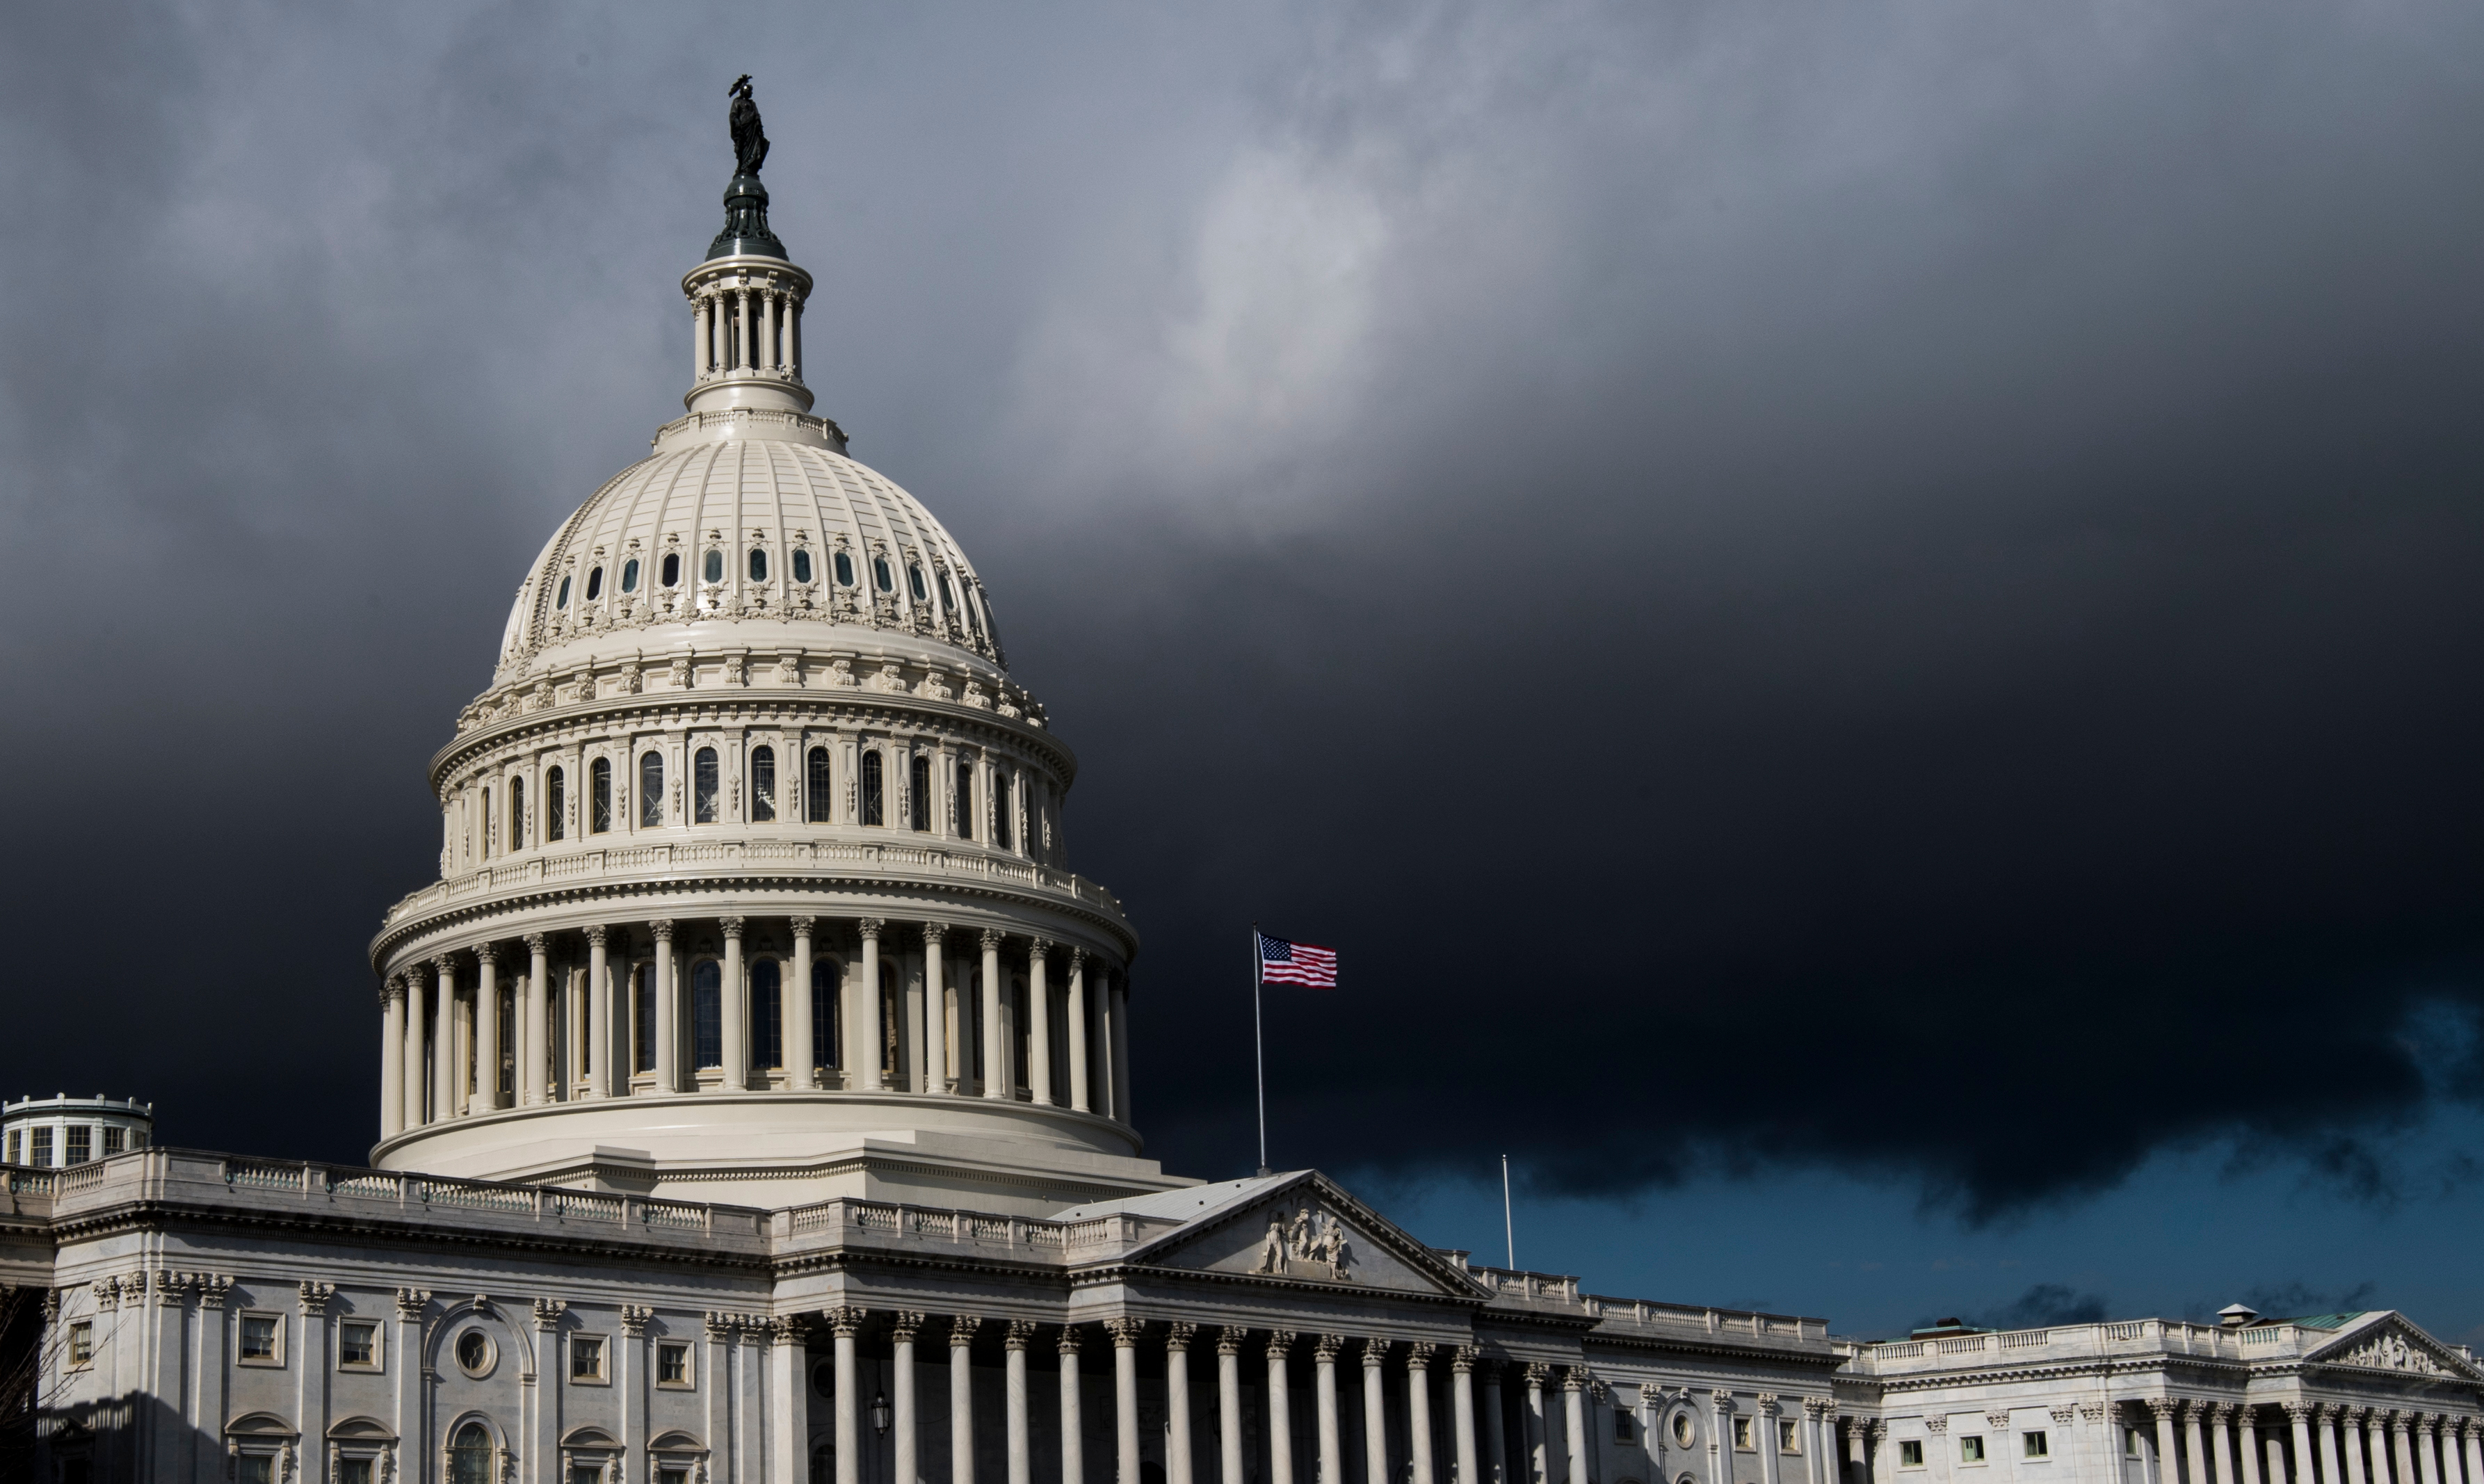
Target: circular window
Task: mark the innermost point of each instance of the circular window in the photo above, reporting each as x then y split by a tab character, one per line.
758	565
880	572
1682	1428
595	585
630	576
672	568
845	570
914	581
474	1353
715	565
802	566
561	599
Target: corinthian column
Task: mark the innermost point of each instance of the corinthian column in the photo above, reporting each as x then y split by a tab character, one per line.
1229	1402
1462	1420
2402	1444
534	1050
1375	1409
2351	1419
2168	1466
669	1022
1324	1398
2471	1439
1121	998
1038	1016
1281	1412
2324	1420
1125	1393
801	1057
2199	1459
2427	1446
1574	1422
996	1046
867	1024
901	1380
1418	1413
1073	1434
487	1029
845	1322
934	1060
1177	1457
392	1056
962	1398
444	1042
416	1019
1074	1022
601	1054
1014	1342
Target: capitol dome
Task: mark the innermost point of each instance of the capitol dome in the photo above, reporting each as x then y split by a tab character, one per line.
752	877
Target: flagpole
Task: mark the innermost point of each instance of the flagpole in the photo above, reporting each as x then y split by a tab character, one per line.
1258	1049
1508	1228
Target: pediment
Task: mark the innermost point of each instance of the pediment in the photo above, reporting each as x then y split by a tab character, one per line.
362	1430
1304	1227
2395	1345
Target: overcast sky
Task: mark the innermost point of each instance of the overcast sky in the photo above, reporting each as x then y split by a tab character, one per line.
1860	621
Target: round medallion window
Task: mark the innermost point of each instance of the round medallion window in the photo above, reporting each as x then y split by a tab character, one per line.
1682	1428
474	1353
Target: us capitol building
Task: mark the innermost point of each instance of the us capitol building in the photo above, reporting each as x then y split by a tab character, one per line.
755	1104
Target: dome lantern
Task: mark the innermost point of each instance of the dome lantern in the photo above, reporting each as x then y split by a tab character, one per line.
747	298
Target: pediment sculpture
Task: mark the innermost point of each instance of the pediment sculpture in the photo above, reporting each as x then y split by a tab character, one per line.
2390	1350
1307	1243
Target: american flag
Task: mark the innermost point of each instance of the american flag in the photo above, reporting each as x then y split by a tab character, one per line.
1282	962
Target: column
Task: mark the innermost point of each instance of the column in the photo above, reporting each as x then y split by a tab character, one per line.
669	1022
1324	1398
767	331
1073	1440
1462	1420
2247	1443
934	1060
1573	1427
703	339
2169	1468
1100	1048
2197	1465
867	1024
416	1021
2471	1437
392	1056
741	344
962	1398
789	1431
996	1050
1538	1466
2427	1446
845	1322
1375	1411
2324	1419
2352	1417
1419	1411
1496	1434
732	1003
2300	1414
487	1030
1121	1046
1177	1453
1038	1014
1229	1404
802	1058
1074	1019
444	1042
1014	1342
534	1048
901	1326
2221	1455
2276	1469
2402	1444
1281	1410
1125	1396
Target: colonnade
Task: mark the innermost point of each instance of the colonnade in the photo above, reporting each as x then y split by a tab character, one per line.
745	329
2330	1444
592	1037
1269	1351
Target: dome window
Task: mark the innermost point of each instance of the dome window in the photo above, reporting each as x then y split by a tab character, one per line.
763	783
818	800
703	788
599	796
914	582
672	569
845	570
560	600
972	625
948	593
758	565
595	585
714	566
872	789
630	576
651	790
802	565
879	574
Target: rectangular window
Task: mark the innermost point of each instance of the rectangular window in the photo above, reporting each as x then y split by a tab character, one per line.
1970	1450
81	1144
115	1139
1622	1432
2034	1446
556	802
40	1149
642	1017
2130	1442
12	1146
918	793
962	797
586	1357
651	790
1788	1440
587	1473
256	1469
763	783
353	1470
138	1138
1001	811
669	1474
672	1364
82	1342
1910	1454
261	1335
1743	1433
358	1345
819	796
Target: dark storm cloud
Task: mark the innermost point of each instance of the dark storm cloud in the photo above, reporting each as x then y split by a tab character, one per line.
1888	589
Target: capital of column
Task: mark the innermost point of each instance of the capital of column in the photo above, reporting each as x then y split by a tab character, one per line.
1125	1332
1856	1427
1071	1342
801	925
314	1297
409	1302
392	990
731	925
2162	1408
783	1330
845	1320
1375	1353
2219	1414
962	1328
1418	1355
444	965
2089	1413
1038	948
2402	1423
1019	1335
1280	1344
1937	1425
1179	1333
1229	1340
1325	1347
2300	1412
1462	1358
663	929
1077	959
535	942
596	934
993	937
869	928
1878	1428
902	1324
488	954
547	1312
633	1320
1999	1421
933	933
1537	1374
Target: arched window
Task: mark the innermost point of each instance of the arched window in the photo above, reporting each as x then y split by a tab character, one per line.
707	1013
599	796
963	796
672	569
556	802
630	576
642	1019
801	565
766	1014
918	799
845	570
517	814
1001	810
763	783
914	583
758	565
713	565
823	1014
651	790
595	585
880	574
703	785
871	789
819	801
560	600
488	822
469	1456
824	1460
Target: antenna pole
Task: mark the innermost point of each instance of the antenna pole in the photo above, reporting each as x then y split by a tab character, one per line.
1258	1049
1508	1228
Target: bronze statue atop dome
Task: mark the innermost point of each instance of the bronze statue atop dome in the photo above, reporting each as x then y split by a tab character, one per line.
745	199
750	140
